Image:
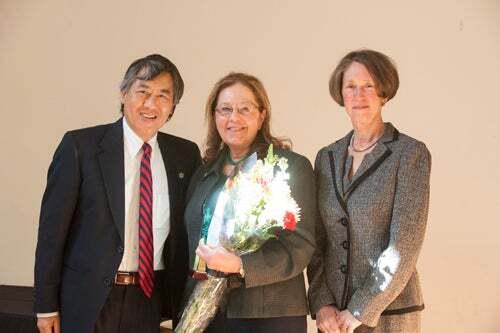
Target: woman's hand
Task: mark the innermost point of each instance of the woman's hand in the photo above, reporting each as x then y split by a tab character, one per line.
326	319
219	259
347	322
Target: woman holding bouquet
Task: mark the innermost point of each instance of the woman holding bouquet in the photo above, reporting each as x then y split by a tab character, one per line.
267	291
373	196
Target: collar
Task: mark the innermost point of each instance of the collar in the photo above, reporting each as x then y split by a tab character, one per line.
216	165
390	134
133	142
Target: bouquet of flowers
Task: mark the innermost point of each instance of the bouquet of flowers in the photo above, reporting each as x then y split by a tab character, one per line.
256	203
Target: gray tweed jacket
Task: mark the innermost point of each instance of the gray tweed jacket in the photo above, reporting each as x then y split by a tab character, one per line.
370	232
274	283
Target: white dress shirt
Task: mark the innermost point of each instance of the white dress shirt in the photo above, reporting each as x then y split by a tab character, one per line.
161	204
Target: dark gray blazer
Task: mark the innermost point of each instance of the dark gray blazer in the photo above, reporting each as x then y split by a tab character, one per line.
274	283
370	233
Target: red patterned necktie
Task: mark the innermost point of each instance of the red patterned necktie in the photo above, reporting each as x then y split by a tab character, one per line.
146	271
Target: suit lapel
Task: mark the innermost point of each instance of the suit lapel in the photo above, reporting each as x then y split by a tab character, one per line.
337	157
112	169
372	160
175	174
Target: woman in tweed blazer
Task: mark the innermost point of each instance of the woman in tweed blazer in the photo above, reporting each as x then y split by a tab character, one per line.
267	287
373	194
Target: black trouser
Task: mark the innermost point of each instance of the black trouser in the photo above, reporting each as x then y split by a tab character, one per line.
128	310
221	324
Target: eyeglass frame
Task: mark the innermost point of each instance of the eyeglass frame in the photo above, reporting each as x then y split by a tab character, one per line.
239	110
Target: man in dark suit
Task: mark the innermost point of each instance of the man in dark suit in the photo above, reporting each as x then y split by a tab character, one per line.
112	253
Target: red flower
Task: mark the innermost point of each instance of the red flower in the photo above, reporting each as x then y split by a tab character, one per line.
290	223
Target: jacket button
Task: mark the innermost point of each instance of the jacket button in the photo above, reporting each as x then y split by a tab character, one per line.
345	245
343	269
120	249
343	221
107	282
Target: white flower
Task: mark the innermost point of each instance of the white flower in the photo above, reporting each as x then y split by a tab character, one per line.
260	198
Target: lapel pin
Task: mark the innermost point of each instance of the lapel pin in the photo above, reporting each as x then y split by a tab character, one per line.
181	175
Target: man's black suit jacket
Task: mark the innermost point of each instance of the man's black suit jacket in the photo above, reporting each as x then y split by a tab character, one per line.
81	231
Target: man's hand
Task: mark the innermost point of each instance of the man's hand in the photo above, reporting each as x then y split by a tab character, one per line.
49	324
326	319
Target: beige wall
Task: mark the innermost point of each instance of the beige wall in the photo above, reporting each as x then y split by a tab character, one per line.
61	63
